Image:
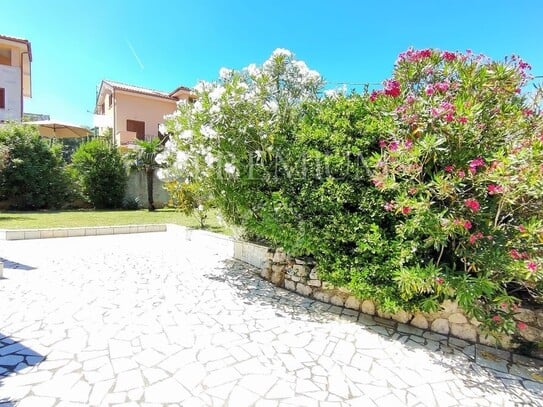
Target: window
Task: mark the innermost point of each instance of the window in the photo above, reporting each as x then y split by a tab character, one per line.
137	127
5	56
2	98
110	100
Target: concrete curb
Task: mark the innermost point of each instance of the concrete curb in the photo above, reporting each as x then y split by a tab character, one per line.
24	234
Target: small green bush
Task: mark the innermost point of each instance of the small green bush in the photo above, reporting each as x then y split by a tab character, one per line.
101	173
34	175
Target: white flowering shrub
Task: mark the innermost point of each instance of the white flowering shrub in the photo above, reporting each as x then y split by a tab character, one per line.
229	141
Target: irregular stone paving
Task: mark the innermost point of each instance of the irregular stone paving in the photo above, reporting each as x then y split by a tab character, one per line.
155	319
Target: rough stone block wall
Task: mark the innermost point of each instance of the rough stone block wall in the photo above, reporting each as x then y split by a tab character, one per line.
300	276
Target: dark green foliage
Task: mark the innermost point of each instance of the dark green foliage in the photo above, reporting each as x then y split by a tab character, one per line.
34	176
101	173
325	204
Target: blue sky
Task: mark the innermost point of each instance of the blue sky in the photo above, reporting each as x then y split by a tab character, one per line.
162	44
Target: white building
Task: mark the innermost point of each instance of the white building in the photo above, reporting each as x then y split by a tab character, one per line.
15	76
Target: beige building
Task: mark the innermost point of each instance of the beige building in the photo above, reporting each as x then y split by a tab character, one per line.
15	76
133	112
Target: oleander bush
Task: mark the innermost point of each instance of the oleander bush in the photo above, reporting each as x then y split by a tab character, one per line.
460	162
229	140
428	189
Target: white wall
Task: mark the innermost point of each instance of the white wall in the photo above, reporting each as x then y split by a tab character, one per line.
10	79
137	188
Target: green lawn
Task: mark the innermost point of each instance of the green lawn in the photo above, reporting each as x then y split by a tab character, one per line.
76	218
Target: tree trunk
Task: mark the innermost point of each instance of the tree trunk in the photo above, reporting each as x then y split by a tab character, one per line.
150	172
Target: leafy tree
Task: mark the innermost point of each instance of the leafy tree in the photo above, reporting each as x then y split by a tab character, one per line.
231	139
143	158
34	176
101	172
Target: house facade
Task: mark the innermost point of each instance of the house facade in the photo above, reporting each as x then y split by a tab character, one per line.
15	76
134	113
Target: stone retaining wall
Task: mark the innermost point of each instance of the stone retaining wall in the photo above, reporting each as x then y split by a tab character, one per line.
301	276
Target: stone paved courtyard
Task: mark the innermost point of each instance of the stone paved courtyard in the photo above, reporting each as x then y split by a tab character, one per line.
155	319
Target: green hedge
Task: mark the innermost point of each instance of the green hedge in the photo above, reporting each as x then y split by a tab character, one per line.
34	176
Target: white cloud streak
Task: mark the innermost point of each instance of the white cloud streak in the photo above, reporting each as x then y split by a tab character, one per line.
138	60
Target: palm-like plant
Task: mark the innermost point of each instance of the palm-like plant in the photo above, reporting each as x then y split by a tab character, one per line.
143	159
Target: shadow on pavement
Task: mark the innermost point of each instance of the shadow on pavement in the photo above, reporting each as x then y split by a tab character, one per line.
8	264
14	357
482	367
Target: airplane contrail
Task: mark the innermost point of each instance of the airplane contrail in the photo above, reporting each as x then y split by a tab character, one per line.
135	55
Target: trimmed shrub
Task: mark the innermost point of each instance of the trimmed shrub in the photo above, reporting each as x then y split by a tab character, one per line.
101	173
34	176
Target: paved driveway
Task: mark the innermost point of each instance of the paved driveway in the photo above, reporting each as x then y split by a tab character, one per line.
154	319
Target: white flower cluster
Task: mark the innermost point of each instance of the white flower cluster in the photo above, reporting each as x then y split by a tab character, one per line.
238	110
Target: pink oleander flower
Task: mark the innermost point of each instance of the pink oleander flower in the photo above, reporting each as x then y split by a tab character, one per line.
497	319
389	206
406	210
515	254
393	146
494	189
439	280
528	112
467	224
473	204
382	143
412	55
448	56
532	266
449	117
522	229
430	90
504	305
473	238
408	144
392	88
375	94
449	168
521	63
447	106
477	162
461	174
410	99
377	183
441	87
462	119
521	326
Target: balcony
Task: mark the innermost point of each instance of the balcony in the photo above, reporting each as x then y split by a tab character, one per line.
102	121
125	138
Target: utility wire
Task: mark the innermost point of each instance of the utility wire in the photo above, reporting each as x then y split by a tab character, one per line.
380	83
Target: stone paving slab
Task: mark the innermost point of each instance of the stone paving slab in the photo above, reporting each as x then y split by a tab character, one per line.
27	234
156	319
